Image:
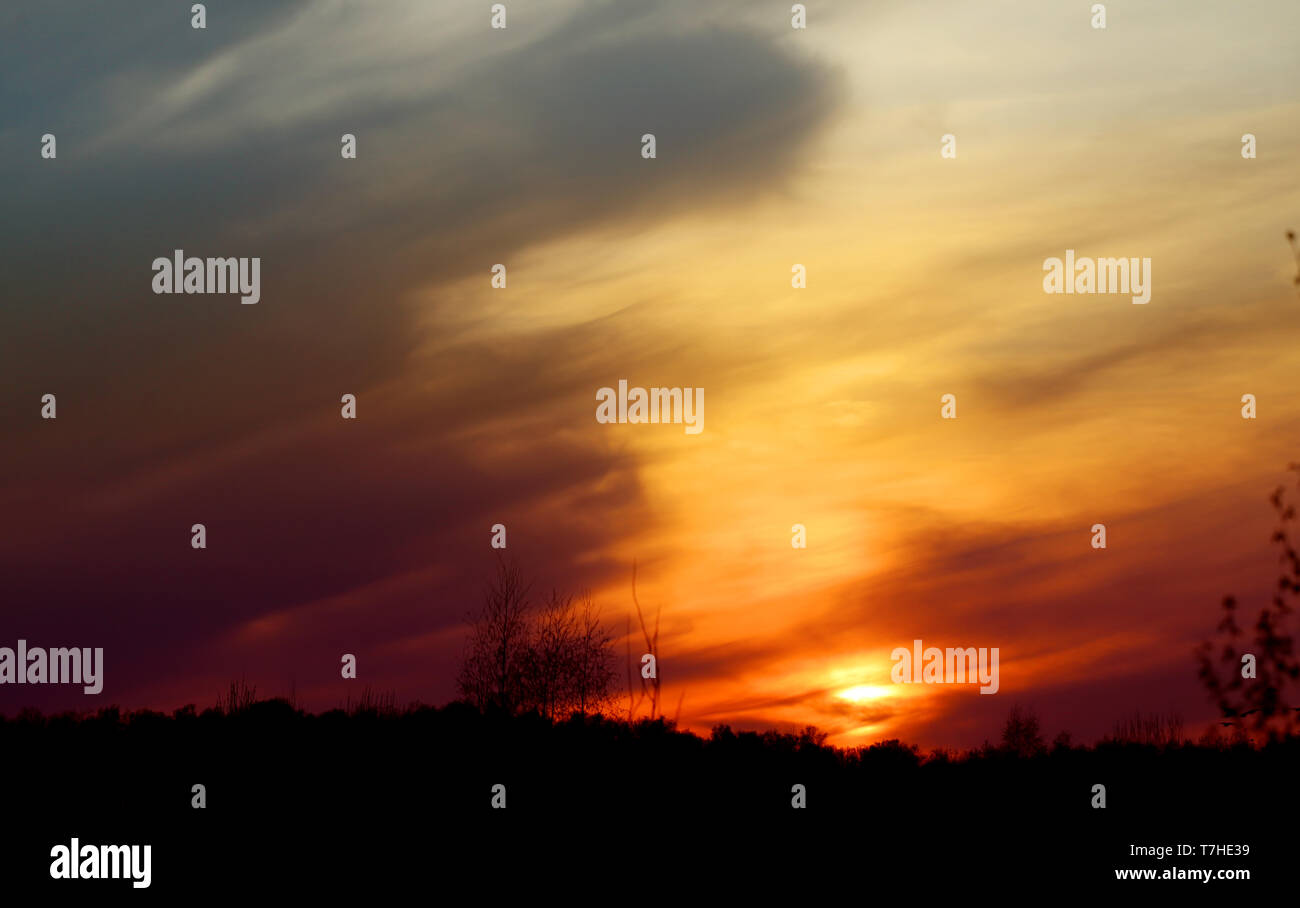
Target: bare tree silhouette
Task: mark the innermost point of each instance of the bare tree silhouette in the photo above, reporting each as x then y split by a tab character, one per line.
554	659
1020	734
550	659
1261	701
372	703
593	670
240	696
1152	728
491	676
649	686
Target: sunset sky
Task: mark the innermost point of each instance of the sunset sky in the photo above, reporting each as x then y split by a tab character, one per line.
476	406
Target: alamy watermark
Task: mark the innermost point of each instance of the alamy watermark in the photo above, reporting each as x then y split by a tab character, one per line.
1107	275
954	665
60	665
658	405
212	275
102	862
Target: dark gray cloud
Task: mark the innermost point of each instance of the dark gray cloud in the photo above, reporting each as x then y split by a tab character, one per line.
503	154
183	409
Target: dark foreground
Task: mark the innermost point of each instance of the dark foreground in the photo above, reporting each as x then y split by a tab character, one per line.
599	811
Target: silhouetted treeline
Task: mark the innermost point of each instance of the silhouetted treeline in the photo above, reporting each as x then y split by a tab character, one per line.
343	794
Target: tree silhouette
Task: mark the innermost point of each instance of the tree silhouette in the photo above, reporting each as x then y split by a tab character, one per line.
1020	734
240	696
1260	702
1153	729
492	675
593	669
649	687
554	659
549	659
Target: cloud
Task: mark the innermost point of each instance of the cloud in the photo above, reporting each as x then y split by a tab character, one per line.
173	410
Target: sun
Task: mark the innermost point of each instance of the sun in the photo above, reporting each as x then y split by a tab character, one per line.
863	692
